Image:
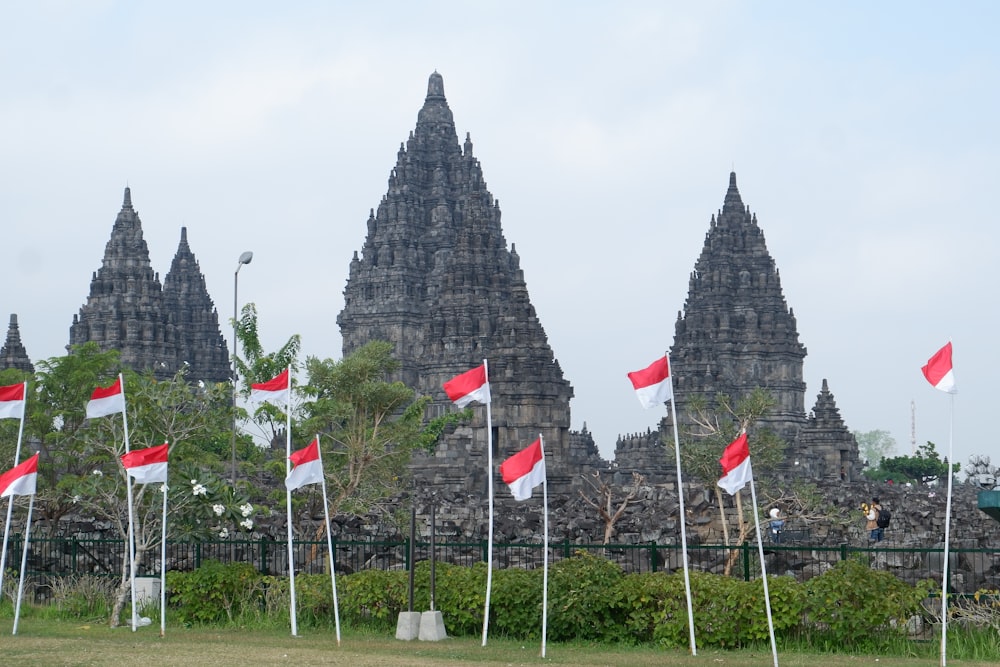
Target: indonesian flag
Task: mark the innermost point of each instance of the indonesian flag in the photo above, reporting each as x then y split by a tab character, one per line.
525	470
736	470
273	391
469	386
652	384
106	401
308	467
148	465
939	372
20	480
12	401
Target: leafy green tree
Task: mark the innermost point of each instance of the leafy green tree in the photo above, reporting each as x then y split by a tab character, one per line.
714	428
368	426
258	366
924	468
80	467
873	446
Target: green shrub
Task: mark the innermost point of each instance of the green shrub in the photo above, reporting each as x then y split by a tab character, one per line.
373	598
214	593
583	595
516	603
852	605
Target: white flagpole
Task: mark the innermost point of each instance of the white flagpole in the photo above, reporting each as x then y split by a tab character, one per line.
947	528
763	569
683	515
131	511
329	543
10	501
163	566
489	478
545	545
288	502
24	563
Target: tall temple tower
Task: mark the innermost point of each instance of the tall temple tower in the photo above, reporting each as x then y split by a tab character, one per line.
154	328
199	340
736	332
435	277
13	354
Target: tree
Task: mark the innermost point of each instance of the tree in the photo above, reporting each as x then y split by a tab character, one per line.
80	468
714	427
924	468
601	498
369	426
258	366
873	446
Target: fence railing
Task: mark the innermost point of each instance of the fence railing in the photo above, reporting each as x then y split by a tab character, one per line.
970	569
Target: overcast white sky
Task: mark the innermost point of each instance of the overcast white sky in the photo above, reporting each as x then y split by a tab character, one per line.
863	135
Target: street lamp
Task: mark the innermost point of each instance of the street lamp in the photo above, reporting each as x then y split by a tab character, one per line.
244	259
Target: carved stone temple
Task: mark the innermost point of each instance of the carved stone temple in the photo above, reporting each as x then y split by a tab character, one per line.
159	328
13	354
435	276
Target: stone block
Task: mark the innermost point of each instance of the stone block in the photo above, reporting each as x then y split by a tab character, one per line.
432	627
408	625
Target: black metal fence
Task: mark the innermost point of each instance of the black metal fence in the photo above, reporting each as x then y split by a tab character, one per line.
970	569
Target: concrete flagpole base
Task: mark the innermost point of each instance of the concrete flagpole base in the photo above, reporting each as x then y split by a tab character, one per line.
408	625
432	627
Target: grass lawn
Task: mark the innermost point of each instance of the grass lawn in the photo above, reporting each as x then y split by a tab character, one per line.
48	642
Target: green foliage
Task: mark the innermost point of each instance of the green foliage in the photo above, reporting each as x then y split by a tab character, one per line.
853	605
718	424
583	592
460	595
873	446
516	603
214	593
923	468
368	425
373	598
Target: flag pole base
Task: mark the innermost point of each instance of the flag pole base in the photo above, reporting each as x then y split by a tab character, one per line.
408	625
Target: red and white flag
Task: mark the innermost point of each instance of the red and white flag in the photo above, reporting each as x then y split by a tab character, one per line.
308	467
275	392
106	400
736	470
468	387
147	466
525	470
652	384
939	372
12	401
20	480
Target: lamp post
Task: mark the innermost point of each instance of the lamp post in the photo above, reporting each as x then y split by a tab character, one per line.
244	259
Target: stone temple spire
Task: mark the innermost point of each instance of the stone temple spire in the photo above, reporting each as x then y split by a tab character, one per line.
436	278
199	338
825	445
13	354
736	332
125	309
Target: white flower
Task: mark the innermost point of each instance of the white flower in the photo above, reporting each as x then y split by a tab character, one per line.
218	508
163	488
246	509
193	482
76	499
98	473
224	533
247	523
199	490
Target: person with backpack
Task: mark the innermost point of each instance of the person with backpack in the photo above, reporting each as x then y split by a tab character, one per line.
877	520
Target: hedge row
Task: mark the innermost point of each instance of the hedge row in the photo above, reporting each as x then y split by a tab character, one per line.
590	599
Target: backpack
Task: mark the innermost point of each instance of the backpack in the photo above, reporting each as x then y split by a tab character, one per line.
883	518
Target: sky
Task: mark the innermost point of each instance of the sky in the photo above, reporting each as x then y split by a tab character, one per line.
862	136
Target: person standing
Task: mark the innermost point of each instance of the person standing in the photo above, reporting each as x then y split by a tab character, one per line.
875	533
777	525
